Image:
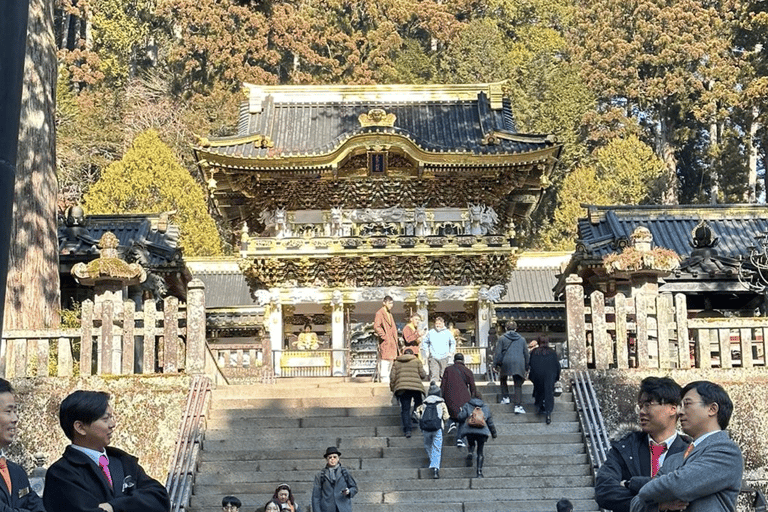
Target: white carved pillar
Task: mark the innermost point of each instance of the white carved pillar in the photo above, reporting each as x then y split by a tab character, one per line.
338	342
275	329
483	326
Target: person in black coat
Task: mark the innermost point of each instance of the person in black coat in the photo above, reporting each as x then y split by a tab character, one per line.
92	476
20	497
544	372
476	434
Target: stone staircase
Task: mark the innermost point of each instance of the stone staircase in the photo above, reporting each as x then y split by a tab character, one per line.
261	435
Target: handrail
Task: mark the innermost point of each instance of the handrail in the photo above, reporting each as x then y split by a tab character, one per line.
591	419
181	473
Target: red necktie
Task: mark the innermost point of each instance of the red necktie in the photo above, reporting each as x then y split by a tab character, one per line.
656	451
688	451
4	472
104	465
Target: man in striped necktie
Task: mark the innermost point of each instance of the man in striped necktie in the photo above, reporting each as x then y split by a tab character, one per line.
91	475
15	491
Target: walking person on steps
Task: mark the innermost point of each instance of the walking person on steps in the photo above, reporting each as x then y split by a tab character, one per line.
477	425
513	360
433	433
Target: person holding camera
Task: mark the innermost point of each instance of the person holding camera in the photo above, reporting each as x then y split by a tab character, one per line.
334	487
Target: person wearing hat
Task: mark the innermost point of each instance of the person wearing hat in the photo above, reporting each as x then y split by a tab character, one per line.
334	487
458	386
433	440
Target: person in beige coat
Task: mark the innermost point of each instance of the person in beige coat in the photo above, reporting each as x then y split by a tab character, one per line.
405	381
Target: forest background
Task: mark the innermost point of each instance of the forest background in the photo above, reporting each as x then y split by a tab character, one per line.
655	101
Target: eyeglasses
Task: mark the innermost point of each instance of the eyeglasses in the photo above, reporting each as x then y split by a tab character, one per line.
645	406
688	403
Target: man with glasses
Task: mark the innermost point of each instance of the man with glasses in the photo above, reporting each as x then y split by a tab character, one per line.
637	456
707	476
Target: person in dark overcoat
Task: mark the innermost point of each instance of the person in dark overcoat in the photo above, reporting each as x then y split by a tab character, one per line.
92	476
545	371
457	386
20	497
476	435
334	487
512	359
405	381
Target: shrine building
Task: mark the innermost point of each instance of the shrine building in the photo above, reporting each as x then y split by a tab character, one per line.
341	195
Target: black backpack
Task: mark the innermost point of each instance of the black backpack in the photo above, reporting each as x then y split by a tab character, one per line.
430	420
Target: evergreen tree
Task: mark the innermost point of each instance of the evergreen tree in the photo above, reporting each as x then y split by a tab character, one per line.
150	179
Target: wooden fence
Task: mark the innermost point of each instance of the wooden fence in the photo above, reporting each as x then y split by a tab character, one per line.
654	331
114	339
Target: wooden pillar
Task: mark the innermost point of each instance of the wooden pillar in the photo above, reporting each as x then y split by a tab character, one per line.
338	341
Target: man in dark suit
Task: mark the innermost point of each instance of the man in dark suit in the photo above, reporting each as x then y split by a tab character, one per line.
636	457
707	476
91	476
15	491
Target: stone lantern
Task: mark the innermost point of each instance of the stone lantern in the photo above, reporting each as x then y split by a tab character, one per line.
110	276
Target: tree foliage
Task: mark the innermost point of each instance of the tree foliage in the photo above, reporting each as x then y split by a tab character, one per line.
150	179
624	171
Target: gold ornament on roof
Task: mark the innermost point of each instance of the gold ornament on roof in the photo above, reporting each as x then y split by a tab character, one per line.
377	117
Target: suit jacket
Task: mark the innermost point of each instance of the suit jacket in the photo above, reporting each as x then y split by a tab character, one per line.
386	329
22	497
628	459
74	483
709	479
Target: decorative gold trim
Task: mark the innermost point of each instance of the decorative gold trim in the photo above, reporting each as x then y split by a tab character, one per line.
258	140
377	117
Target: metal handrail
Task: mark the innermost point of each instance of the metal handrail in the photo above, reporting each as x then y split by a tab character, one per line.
591	419
181	472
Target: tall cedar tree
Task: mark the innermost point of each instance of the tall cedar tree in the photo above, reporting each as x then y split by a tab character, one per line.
150	179
32	290
658	62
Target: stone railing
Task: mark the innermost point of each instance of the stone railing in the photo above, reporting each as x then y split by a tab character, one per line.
654	331
115	339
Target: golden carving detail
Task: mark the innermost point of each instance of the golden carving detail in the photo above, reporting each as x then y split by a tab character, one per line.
377	117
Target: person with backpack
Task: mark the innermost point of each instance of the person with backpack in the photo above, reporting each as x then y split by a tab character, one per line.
477	425
405	382
432	415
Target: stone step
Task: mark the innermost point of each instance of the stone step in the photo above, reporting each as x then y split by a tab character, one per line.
534	424
480	506
414	462
337	415
425	494
506	450
382	485
289	447
306	477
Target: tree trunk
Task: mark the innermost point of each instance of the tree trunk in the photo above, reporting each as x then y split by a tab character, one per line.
667	154
750	196
32	292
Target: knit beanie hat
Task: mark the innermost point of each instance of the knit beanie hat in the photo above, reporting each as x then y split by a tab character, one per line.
433	389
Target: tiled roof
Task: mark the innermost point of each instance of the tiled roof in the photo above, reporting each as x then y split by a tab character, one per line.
318	124
225	289
531	285
151	237
606	229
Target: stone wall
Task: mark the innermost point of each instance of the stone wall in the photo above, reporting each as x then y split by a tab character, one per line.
148	411
748	389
